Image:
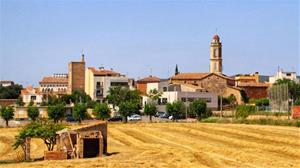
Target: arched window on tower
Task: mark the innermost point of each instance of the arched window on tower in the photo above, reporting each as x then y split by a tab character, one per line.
215	53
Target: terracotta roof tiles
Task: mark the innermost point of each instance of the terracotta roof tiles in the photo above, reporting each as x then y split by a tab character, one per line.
54	80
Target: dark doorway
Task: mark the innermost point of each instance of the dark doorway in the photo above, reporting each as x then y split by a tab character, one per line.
90	148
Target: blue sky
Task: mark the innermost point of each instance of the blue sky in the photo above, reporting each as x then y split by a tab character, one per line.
135	37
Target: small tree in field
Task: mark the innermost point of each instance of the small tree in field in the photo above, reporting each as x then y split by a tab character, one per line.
101	111
175	109
7	113
33	112
56	112
79	112
150	109
45	130
199	108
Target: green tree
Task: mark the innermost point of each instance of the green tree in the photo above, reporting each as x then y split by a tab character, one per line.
176	70
101	111
56	112
116	95
79	112
154	95
20	102
10	92
199	107
244	96
150	110
176	109
7	113
33	112
127	108
45	130
79	96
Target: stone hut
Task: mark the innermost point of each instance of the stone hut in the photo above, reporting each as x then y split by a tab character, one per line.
84	142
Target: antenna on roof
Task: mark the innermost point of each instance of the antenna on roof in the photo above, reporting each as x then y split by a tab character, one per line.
150	71
82	56
216	31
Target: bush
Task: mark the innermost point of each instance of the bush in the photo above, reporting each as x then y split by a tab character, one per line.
243	111
297	102
199	108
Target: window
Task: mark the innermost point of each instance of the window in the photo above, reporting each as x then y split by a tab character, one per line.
98	85
215	53
165	89
164	101
183	99
32	98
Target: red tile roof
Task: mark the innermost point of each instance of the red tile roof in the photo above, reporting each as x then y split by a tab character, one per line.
104	72
190	76
30	89
54	80
149	79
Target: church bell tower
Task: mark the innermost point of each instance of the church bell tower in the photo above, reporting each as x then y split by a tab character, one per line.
216	55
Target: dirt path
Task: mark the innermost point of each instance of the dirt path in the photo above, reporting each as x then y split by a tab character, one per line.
183	145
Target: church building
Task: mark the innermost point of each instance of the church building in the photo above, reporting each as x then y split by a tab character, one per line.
213	81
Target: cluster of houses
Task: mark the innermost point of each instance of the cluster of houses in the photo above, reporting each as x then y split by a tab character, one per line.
185	87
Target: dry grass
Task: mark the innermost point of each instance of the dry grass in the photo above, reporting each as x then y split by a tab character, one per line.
180	145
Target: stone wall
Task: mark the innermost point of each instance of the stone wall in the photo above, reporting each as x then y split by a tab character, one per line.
256	92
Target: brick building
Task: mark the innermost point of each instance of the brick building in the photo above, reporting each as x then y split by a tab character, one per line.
255	90
76	80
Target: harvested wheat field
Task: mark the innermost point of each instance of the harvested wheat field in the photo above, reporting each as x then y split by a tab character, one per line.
180	145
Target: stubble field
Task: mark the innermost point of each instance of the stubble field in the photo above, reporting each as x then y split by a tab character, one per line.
179	145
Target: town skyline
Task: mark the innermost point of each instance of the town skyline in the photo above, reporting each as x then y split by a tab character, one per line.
148	40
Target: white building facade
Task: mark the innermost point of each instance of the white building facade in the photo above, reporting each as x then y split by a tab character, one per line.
284	75
31	94
184	93
99	81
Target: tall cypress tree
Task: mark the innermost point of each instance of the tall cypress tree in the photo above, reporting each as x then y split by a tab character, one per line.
176	70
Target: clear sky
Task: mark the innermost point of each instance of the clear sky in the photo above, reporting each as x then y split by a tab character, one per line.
137	37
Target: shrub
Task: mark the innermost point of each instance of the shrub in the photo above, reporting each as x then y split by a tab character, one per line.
297	102
243	111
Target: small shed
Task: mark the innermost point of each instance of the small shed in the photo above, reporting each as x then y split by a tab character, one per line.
84	142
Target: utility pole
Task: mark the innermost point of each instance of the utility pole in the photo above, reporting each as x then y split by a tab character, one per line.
186	107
